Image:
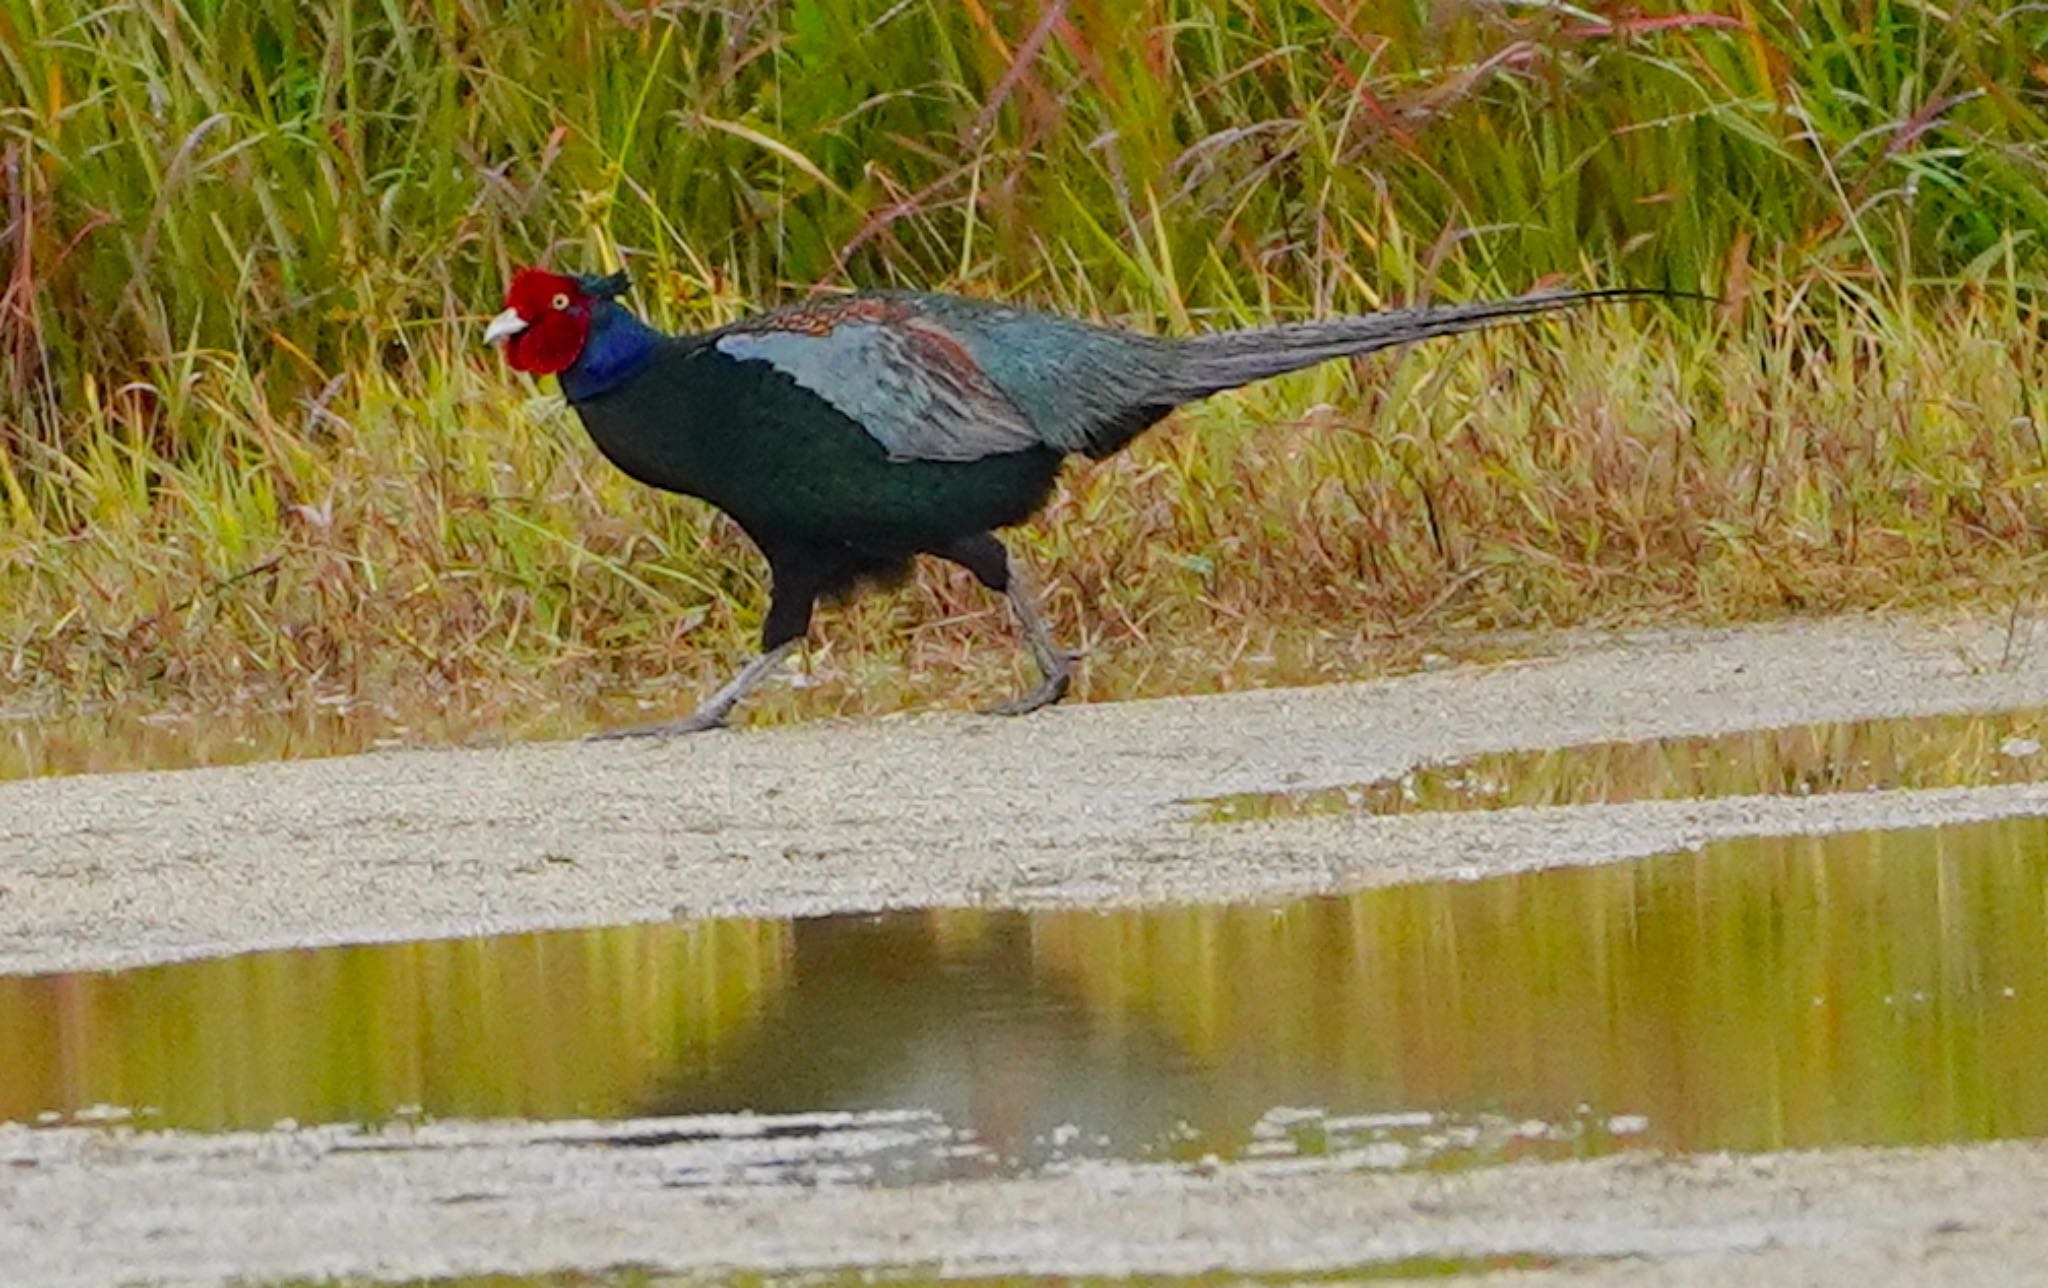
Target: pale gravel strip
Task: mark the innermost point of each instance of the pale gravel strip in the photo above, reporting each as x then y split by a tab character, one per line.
1073	805
82	1208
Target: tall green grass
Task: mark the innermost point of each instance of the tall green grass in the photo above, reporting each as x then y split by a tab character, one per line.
245	246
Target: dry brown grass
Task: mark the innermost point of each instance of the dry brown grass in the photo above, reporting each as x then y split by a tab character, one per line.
467	563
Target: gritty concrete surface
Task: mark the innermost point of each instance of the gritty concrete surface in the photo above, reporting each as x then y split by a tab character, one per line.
1081	805
83	1209
1074	805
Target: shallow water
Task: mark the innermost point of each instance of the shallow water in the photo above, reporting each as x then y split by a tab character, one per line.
122	739
1869	988
1974	750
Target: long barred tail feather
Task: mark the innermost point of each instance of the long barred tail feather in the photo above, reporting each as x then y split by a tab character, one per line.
1209	364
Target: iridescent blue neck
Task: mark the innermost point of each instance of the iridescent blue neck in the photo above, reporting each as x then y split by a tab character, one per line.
619	345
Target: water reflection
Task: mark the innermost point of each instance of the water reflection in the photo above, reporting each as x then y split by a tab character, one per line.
1801	760
1871	988
545	1026
119	739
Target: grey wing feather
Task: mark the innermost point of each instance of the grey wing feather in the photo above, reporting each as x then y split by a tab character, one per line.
907	382
1085	388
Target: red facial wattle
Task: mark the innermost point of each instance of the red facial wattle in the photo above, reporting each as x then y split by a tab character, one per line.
556	314
551	343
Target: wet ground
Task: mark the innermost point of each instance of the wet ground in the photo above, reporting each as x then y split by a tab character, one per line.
1110	968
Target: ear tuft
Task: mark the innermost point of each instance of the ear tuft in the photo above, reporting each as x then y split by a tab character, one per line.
605	288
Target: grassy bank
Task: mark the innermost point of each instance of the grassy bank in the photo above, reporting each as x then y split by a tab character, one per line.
249	450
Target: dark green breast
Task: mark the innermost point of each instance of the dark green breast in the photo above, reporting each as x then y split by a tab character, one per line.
786	464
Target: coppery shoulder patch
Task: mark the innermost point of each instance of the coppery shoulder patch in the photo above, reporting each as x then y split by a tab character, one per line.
821	316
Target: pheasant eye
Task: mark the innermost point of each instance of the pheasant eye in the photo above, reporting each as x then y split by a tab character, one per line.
561	301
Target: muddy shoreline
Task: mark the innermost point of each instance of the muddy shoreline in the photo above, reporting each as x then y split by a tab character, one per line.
88	1208
1076	805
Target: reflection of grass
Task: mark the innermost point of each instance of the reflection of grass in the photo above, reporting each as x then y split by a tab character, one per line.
541	1025
1873	988
248	450
1849	756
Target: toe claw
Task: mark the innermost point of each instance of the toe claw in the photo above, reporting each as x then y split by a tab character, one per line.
697	723
1054	688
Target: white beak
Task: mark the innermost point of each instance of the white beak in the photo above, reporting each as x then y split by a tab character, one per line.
504	326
